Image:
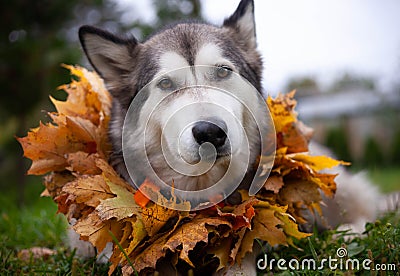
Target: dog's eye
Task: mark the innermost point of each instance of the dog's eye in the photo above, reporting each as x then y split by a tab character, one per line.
166	84
223	71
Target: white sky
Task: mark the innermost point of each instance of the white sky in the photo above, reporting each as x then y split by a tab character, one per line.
318	38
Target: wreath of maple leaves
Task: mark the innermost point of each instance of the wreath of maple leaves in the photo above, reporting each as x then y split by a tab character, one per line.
73	151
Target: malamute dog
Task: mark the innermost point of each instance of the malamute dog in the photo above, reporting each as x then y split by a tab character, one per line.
129	66
205	54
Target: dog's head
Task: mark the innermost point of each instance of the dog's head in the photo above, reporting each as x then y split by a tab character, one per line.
120	60
177	81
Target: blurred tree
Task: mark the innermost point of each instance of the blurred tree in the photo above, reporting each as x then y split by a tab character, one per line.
350	81
34	42
305	86
373	156
167	12
336	140
395	149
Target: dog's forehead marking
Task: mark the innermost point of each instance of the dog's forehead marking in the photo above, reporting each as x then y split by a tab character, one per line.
171	61
208	54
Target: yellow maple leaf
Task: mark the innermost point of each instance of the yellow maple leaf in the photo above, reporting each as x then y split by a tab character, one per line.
133	234
317	163
281	109
87	98
121	206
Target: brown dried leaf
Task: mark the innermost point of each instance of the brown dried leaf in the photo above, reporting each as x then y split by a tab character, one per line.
55	181
191	233
274	183
90	190
241	215
301	191
75	149
93	229
150	255
239	239
87	98
83	163
221	251
292	138
155	217
266	228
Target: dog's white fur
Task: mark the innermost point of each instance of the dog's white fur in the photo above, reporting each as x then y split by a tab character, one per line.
357	199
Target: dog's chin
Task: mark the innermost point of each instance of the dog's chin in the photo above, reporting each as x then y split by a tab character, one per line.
222	156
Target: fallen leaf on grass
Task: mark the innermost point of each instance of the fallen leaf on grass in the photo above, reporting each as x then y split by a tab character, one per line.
36	253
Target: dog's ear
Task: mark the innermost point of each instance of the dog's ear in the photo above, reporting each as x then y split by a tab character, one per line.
242	22
110	56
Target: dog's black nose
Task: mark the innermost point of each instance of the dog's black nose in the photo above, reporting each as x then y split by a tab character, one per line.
212	131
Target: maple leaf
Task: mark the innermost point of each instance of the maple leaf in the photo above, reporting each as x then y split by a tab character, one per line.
189	234
54	182
317	163
91	228
121	206
48	145
291	228
266	228
89	190
281	109
36	253
83	163
109	173
326	182
137	234
300	191
274	183
133	234
155	217
87	98
241	215
292	138
221	251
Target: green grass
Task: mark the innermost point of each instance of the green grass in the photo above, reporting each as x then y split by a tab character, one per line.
380	243
62	263
387	178
34	224
37	224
